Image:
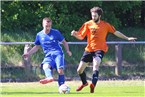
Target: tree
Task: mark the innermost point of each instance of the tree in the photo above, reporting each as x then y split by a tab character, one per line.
26	15
142	19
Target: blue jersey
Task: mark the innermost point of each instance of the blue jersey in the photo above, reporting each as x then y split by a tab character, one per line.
49	42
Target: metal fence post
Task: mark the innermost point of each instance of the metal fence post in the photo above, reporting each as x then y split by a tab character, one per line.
118	57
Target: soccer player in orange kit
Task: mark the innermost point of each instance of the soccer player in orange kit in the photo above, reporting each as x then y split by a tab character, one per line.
96	31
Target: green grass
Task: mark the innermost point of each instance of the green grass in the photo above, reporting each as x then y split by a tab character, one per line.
104	89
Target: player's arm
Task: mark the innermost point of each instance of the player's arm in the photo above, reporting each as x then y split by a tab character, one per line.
65	44
75	34
121	35
33	50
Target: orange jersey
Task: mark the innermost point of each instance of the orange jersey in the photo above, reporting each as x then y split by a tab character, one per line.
96	35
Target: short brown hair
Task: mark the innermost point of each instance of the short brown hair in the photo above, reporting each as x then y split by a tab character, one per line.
47	18
97	10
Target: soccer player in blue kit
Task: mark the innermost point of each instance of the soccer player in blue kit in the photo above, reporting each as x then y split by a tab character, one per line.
49	39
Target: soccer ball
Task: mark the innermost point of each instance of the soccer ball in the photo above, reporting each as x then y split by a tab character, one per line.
64	89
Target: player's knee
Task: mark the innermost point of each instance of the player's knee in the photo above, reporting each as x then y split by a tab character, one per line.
45	66
79	71
97	60
96	63
81	67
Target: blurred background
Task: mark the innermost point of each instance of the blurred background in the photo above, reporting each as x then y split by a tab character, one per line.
21	20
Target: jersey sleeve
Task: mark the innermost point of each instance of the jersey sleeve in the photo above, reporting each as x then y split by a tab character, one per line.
37	42
60	36
83	30
111	28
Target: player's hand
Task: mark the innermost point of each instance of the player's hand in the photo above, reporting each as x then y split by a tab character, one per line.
25	55
73	33
131	38
69	53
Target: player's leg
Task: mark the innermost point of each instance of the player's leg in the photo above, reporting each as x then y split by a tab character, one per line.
86	58
47	65
61	77
82	75
59	60
48	74
96	62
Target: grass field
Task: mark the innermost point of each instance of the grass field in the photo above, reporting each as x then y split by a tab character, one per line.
128	88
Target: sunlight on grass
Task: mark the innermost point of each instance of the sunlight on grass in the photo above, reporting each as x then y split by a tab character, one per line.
103	89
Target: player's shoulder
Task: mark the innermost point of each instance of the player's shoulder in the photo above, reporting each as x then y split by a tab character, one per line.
105	23
40	32
88	22
54	30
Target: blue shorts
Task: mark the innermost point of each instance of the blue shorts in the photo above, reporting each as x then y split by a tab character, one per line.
54	59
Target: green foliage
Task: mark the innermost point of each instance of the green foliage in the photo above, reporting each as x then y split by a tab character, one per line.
12	52
66	15
21	20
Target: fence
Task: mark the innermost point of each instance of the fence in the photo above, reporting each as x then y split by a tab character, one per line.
118	51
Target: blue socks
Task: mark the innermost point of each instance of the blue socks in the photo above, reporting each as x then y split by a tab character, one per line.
48	74
61	80
95	77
